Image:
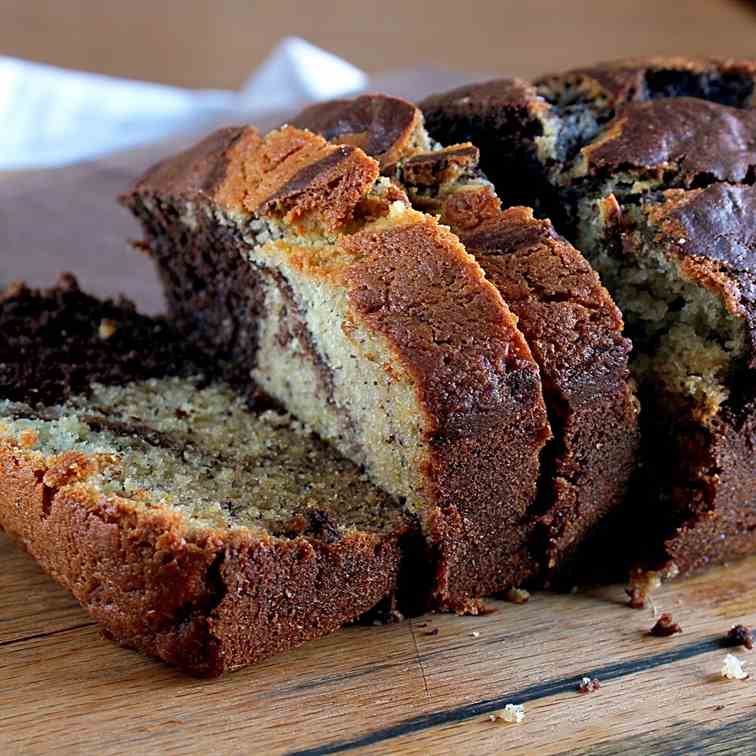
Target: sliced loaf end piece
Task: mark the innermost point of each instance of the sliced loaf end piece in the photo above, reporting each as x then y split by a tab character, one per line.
681	266
189	525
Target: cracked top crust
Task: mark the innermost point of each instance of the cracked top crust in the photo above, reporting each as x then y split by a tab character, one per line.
730	82
693	137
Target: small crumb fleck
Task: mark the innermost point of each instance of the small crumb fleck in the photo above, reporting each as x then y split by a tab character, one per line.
732	668
475	634
740	635
511	713
665	626
107	328
682	240
432	632
588	685
719	707
517	596
642	583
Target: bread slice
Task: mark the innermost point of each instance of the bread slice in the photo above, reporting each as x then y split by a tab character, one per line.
293	260
191	526
569	320
682	265
652	162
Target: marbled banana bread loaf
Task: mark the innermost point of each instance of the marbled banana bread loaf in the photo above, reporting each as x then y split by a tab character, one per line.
569	320
295	261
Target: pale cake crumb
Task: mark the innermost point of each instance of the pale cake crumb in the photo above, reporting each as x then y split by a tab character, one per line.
511	714
475	634
732	668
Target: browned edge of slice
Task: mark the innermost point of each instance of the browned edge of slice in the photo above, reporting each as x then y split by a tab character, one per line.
205	601
575	332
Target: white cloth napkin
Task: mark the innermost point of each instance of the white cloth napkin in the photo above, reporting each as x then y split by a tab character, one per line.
51	116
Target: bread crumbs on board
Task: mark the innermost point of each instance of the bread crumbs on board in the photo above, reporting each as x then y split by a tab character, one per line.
511	714
740	635
588	685
732	668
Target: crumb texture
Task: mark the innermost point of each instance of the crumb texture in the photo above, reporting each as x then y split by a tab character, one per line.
199	451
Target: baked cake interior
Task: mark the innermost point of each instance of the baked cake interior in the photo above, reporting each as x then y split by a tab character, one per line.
199	450
287	296
127	389
687	345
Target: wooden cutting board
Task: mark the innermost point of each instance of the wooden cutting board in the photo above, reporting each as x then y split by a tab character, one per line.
402	688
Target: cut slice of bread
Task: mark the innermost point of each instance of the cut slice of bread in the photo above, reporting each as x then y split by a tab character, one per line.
293	260
683	266
191	526
569	320
652	163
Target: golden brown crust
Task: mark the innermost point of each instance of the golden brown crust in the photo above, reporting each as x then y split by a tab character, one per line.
469	207
291	174
206	600
384	127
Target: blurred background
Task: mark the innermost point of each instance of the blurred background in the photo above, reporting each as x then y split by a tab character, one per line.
216	43
70	143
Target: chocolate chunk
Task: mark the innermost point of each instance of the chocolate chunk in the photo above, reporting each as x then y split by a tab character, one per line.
665	626
739	635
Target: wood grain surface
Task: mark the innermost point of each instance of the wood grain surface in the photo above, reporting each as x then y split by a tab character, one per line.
393	689
217	43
